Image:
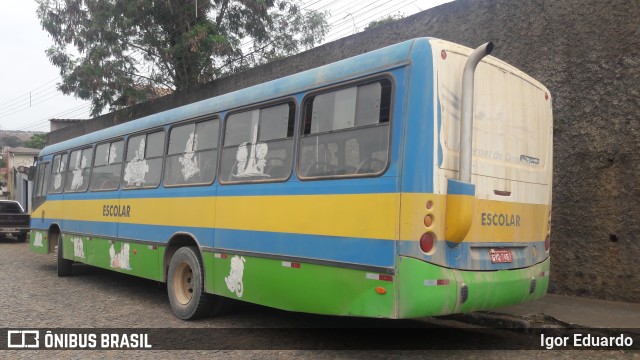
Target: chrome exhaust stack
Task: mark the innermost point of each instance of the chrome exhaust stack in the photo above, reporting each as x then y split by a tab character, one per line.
466	123
461	192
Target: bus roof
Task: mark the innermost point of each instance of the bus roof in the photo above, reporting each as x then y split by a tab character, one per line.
375	61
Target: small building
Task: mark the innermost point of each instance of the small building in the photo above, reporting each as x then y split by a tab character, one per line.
18	161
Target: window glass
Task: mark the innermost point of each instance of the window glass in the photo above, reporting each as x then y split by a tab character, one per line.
208	134
10	207
144	160
78	171
155	145
56	181
346	132
238	127
42	187
178	138
107	166
40	179
102	155
192	154
37	187
274	123
258	144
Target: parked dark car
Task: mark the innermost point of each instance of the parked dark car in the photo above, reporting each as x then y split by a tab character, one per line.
14	221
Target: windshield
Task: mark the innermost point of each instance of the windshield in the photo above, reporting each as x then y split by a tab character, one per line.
10	207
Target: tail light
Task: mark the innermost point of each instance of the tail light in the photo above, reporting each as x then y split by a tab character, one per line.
547	243
427	241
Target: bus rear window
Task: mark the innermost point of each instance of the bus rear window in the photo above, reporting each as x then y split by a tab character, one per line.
346	132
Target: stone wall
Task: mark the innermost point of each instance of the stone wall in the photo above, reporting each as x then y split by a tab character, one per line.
587	52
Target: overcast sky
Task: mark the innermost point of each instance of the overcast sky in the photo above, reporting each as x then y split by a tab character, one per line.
28	95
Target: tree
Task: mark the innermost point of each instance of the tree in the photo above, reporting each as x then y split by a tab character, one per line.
120	52
383	21
37	141
10	141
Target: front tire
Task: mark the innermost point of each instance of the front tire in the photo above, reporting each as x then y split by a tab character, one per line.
185	285
63	265
22	237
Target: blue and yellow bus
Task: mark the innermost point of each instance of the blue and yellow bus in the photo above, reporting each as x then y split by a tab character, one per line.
410	181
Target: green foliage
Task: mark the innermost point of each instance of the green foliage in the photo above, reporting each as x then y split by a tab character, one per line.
10	141
121	52
385	20
37	141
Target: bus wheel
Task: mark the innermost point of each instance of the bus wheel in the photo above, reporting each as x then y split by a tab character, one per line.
63	265
185	285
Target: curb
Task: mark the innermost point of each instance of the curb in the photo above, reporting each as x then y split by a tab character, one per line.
529	322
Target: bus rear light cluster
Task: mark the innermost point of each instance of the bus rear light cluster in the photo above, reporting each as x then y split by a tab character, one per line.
428	239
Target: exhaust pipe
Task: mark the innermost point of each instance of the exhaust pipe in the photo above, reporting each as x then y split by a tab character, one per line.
466	125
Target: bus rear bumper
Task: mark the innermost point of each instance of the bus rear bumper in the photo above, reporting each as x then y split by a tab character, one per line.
428	290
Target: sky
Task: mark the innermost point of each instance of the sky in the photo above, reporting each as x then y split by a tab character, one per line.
28	94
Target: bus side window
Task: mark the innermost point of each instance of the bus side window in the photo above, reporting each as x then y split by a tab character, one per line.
258	145
107	166
346	132
144	160
78	171
56	181
192	154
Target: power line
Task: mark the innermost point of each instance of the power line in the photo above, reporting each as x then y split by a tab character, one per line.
387	11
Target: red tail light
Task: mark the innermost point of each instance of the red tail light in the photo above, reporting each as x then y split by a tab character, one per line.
427	241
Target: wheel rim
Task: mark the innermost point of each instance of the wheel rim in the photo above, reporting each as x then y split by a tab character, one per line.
183	283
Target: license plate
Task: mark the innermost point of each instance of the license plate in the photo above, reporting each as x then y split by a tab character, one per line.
500	256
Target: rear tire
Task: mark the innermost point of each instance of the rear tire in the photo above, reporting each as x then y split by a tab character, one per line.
63	265
185	285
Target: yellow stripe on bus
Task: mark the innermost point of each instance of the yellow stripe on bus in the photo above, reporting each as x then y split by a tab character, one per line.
493	221
373	216
353	215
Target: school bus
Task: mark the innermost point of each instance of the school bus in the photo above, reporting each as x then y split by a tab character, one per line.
410	181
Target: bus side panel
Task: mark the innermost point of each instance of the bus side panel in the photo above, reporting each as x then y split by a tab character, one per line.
132	258
303	287
43	218
39	241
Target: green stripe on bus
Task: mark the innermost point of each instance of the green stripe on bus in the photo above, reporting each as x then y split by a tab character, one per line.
301	287
139	259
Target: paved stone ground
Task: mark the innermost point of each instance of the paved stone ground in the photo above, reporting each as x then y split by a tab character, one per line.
32	296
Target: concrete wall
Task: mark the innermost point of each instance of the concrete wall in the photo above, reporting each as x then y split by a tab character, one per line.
587	52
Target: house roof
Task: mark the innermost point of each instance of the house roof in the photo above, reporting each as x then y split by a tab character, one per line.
23	150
